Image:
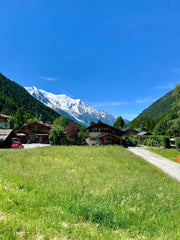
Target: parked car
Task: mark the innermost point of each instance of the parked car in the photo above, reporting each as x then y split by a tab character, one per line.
17	144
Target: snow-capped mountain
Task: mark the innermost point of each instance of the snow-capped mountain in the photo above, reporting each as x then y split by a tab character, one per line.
74	109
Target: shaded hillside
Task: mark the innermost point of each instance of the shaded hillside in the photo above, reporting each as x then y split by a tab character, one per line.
13	97
161	108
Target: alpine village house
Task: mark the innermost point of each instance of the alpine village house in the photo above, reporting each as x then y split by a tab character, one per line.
103	134
38	132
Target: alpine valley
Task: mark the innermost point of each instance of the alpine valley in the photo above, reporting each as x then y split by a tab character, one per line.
74	109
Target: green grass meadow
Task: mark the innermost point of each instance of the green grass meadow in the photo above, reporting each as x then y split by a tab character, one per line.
99	192
170	153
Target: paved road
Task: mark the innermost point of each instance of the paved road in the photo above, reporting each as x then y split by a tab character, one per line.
166	165
34	145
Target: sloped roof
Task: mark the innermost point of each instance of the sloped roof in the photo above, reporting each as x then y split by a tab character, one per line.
4	133
126	129
38	123
142	133
4	116
101	124
106	134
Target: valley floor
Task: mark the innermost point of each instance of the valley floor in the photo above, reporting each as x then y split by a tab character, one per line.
77	193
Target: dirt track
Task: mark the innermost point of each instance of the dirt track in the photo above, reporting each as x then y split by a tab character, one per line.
166	165
34	145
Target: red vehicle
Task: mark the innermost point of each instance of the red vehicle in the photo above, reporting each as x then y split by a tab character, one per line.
17	144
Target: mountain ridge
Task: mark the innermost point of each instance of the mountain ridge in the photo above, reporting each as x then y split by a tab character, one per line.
75	109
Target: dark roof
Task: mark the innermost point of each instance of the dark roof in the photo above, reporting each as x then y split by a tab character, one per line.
126	129
100	124
4	133
39	123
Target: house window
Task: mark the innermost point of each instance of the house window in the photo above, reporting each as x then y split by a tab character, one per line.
92	129
94	138
90	138
99	129
113	131
95	129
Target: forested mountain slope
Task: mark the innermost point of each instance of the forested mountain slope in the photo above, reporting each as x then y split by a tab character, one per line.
14	97
161	108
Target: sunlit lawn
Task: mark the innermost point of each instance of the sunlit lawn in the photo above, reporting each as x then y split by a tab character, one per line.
102	192
167	153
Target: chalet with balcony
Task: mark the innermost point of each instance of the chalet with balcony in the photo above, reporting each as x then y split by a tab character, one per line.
102	134
36	132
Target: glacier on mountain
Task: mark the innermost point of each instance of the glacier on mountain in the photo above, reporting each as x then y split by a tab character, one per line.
74	109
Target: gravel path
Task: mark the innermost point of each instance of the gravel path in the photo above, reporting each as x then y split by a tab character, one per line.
34	145
166	165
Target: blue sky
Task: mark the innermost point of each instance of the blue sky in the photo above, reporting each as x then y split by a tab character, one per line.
118	56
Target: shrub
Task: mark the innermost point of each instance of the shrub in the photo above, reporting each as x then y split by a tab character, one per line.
133	140
177	143
164	141
151	142
58	137
145	142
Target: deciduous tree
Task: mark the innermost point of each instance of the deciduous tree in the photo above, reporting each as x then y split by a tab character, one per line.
83	134
72	130
60	122
57	136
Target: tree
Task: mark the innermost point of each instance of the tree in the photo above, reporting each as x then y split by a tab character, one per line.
11	122
19	117
57	136
83	134
72	130
60	122
174	125
119	123
161	127
174	128
34	119
92	123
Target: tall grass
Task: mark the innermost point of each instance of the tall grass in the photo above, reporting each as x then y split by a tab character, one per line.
85	193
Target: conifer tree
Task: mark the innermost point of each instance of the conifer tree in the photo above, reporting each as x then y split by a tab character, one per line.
119	123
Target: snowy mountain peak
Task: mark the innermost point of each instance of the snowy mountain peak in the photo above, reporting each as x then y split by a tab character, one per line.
74	109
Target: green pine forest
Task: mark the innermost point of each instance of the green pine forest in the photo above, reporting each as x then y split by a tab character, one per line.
16	101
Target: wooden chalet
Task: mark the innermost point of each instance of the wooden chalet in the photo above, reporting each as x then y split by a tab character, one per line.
4	120
6	136
130	131
36	132
102	133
